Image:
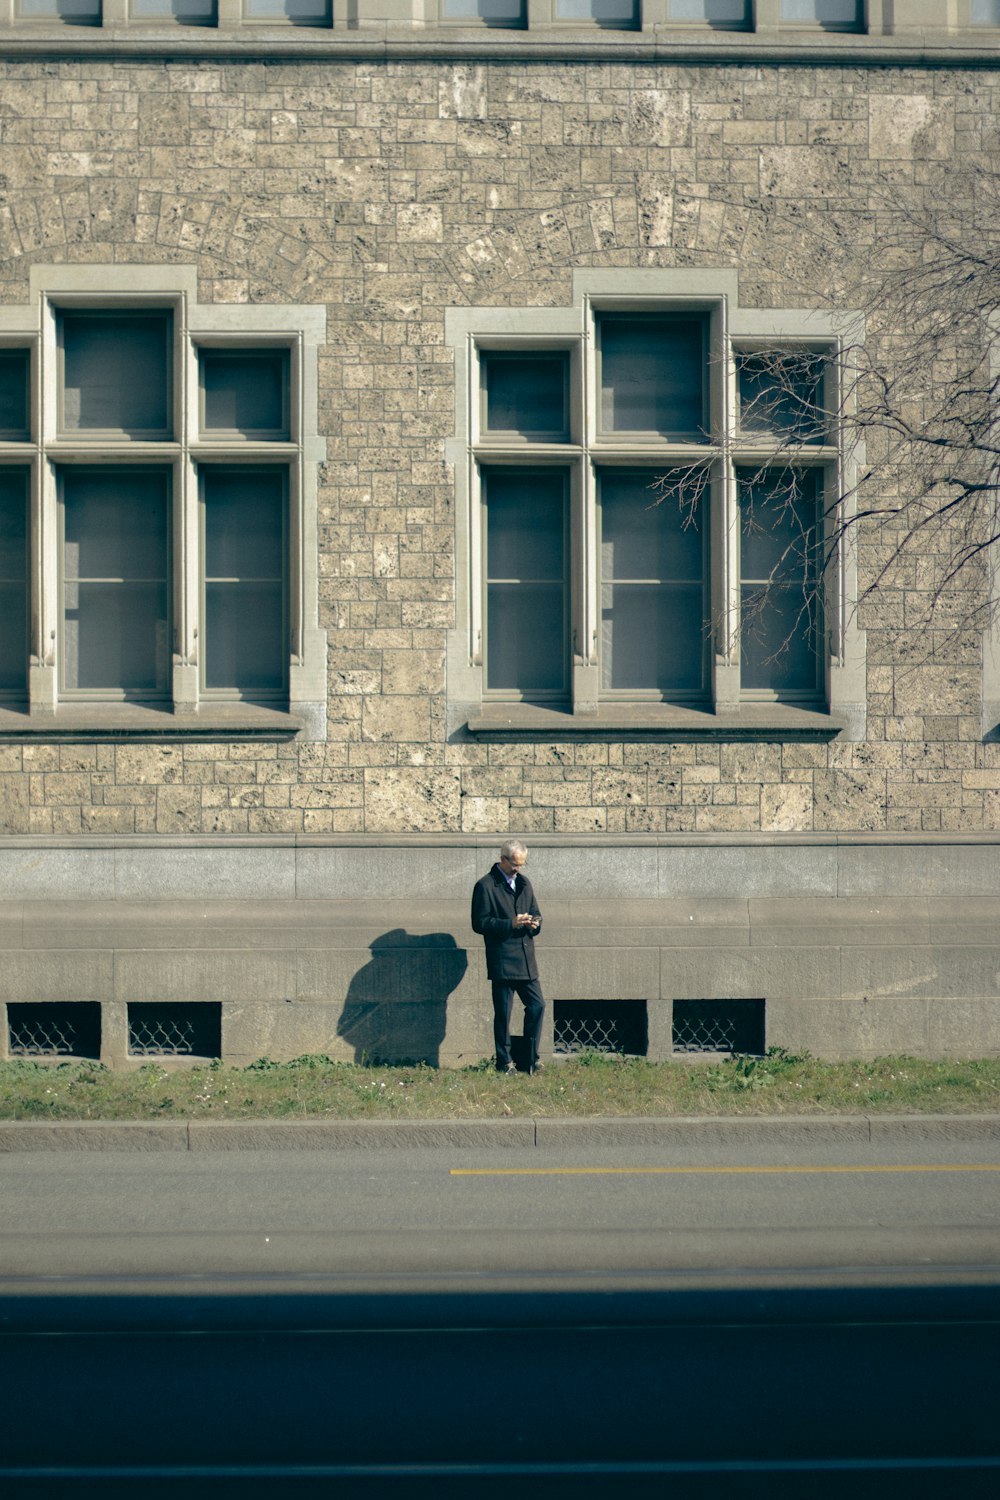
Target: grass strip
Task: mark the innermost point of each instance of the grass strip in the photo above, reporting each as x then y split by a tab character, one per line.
589	1084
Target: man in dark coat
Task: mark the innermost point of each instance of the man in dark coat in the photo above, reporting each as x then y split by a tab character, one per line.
505	914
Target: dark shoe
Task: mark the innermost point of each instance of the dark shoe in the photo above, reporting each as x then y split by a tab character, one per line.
509	1071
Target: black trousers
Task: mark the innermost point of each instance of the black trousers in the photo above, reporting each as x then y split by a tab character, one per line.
529	992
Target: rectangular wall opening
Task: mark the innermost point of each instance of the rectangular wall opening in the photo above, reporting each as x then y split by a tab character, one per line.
719	1026
54	1029
617	1027
175	1028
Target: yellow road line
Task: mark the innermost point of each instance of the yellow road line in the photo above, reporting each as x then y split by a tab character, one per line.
700	1171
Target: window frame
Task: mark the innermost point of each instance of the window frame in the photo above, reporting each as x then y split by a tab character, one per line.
298	329
588	707
224	694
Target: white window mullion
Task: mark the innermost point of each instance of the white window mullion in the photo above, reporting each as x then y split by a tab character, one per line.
187	589
725	588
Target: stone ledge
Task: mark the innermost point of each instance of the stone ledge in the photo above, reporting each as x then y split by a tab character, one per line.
782	722
377	41
84	723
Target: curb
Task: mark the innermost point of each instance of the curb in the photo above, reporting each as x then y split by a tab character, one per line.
514	1134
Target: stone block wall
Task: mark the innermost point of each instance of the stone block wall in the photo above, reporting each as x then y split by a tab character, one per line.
389	192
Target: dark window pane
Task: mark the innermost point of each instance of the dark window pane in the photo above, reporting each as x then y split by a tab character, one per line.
778	642
781	395
188	12
78	12
780	576
643	537
13	580
779	533
246	393
525	625
299	12
493	12
245	646
838	14
724	13
526	394
14	367
116	373
652	588
525	525
526	585
116	633
604	12
653	375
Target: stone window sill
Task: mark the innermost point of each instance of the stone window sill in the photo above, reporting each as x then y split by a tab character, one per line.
756	721
84	721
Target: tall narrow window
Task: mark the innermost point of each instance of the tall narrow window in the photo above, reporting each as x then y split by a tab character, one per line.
653	375
780	574
526	581
245	649
653	572
13	583
115	551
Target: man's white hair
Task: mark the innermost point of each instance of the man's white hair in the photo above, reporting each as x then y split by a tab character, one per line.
512	846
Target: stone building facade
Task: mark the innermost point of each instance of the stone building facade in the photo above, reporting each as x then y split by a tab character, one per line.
286	292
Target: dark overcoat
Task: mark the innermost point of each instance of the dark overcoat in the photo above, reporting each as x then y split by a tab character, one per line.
510	950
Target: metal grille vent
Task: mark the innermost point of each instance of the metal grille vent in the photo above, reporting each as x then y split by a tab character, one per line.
179	1029
719	1026
616	1026
54	1030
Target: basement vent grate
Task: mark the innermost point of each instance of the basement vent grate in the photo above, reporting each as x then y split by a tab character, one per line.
54	1029
614	1026
719	1026
175	1029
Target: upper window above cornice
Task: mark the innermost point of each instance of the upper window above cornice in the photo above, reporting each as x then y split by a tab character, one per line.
877	32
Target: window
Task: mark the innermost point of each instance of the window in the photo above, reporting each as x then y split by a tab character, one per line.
486	12
653	487
13	583
171	489
654	605
72	12
986	12
288	12
832	15
727	15
612	13
780	515
185	12
14	395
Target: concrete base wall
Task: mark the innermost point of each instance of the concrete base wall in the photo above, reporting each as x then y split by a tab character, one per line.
858	947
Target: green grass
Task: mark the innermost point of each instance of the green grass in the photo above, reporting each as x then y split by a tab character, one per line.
316	1087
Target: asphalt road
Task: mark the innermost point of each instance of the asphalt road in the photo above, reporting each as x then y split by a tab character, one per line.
657	1321
576	1211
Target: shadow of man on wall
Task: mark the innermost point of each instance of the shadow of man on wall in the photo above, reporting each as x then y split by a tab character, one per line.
396	1008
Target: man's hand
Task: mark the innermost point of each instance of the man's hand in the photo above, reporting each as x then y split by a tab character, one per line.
525	919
